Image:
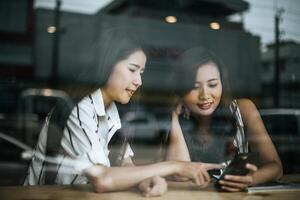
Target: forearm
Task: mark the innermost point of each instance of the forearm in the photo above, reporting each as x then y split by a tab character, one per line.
177	152
177	149
268	172
117	178
260	141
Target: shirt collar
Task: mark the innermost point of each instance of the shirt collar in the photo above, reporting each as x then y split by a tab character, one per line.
98	102
112	110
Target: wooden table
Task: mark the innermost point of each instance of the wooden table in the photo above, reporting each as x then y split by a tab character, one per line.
177	191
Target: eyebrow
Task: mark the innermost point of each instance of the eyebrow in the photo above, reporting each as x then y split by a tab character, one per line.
213	79
135	65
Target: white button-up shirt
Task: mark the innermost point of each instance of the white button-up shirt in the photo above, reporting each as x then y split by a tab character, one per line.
84	142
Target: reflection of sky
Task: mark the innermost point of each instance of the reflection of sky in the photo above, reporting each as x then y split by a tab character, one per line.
77	6
259	20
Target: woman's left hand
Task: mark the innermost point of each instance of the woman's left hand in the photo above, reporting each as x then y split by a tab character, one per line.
154	186
233	183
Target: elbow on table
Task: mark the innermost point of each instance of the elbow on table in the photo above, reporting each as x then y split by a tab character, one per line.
100	180
280	173
102	184
278	170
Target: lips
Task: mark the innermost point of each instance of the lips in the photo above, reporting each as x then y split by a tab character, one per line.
205	106
130	92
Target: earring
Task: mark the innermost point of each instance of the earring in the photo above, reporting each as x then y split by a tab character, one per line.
186	112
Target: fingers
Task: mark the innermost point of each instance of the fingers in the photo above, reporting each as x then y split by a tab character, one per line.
200	175
206	176
234	183
237	185
229	189
145	187
202	178
210	166
251	167
239	179
157	190
198	172
196	179
157	186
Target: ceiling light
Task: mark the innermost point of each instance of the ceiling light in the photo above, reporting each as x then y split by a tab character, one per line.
171	19
215	25
51	29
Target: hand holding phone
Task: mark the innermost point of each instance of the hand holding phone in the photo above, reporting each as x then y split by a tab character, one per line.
238	165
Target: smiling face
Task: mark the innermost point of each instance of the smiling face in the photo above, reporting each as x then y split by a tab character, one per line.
125	78
205	97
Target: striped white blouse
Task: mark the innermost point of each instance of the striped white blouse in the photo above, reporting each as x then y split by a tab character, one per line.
84	142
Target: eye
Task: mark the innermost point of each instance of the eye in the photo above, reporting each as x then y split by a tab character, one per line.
131	69
213	85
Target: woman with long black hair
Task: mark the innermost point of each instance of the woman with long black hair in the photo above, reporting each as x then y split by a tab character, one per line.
209	126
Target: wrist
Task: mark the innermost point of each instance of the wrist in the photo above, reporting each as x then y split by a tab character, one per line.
175	115
176	166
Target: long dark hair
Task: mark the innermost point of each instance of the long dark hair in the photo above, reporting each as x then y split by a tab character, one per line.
111	46
189	63
188	66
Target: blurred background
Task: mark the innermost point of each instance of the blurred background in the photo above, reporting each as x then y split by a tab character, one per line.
45	43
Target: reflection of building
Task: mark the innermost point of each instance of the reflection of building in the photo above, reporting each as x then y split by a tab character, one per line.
238	48
199	22
289	73
16	38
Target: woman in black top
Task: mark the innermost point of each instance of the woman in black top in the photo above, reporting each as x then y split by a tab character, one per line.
203	128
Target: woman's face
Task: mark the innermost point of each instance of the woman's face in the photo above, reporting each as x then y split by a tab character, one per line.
205	97
125	78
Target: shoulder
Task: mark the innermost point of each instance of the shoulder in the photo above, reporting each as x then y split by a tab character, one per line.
248	110
83	110
86	102
246	104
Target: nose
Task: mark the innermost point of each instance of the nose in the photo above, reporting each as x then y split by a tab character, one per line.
203	93
137	81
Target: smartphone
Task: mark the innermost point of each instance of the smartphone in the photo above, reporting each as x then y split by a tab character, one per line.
237	166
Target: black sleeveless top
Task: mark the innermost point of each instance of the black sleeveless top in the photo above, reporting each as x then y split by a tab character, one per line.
217	149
